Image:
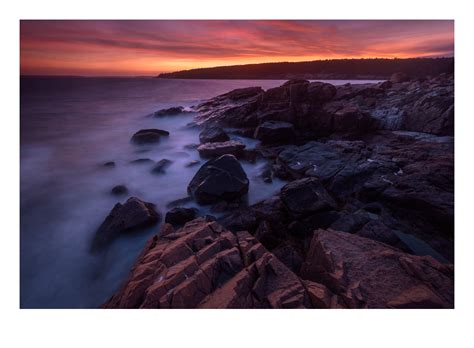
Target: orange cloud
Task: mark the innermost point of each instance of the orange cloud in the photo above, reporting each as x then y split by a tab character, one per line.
151	47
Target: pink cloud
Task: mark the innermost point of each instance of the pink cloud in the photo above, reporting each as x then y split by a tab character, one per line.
150	47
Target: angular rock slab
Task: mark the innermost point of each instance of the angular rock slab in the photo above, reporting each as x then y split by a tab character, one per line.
131	215
204	266
369	274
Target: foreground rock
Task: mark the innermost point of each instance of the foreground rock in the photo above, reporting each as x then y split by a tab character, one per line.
213	135
126	217
148	136
219	179
274	132
231	147
369	274
204	266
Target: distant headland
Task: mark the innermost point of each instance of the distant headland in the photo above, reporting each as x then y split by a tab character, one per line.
367	68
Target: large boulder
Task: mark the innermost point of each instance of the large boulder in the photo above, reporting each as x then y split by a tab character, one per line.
306	196
232	147
147	136
202	265
273	132
213	135
129	216
219	179
369	274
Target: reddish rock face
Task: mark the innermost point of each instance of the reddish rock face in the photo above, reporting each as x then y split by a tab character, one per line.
368	274
204	266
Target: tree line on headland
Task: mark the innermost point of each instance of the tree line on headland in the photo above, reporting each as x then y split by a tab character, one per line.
371	68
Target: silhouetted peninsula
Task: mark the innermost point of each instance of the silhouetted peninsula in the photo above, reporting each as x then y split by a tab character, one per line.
373	68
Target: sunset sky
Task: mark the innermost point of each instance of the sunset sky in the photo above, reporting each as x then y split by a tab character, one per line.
102	48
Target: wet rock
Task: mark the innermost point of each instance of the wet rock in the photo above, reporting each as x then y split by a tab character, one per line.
315	158
176	110
204	266
179	216
231	147
213	135
222	178
148	136
119	190
161	165
273	132
126	217
369	274
305	196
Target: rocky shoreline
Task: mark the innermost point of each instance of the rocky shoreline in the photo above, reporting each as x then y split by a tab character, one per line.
366	219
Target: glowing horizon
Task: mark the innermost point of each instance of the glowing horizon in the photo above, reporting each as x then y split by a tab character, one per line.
122	48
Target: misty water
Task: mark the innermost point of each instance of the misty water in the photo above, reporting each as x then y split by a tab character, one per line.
69	127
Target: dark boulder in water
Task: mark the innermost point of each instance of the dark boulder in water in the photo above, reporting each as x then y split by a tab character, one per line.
146	136
176	110
109	164
119	190
213	135
274	132
179	216
131	215
161	166
219	179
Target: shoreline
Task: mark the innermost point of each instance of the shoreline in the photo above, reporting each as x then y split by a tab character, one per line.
368	172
